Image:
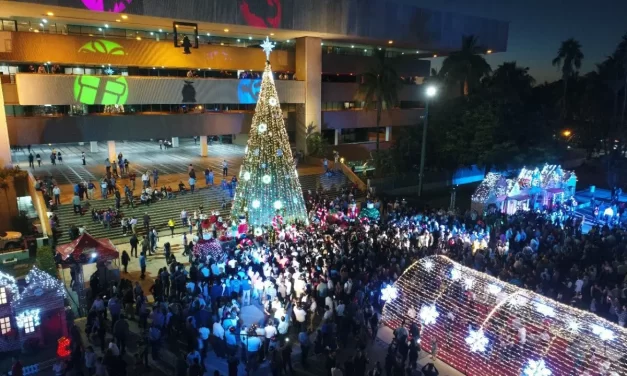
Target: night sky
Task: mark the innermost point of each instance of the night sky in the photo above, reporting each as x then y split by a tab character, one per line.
538	26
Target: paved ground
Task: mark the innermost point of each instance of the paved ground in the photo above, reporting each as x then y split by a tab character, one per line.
142	156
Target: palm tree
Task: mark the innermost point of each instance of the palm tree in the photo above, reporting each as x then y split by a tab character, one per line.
509	77
569	57
466	67
379	89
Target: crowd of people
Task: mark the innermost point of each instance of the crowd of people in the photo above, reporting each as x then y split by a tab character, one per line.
320	285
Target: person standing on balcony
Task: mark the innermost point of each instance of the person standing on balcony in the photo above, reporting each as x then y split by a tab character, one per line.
225	168
83	157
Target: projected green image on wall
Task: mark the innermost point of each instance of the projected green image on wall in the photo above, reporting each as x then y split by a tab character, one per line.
100	90
102	46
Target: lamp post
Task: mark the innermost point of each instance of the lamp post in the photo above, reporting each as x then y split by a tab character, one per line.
430	93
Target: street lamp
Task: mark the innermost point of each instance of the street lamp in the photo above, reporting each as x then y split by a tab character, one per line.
430	92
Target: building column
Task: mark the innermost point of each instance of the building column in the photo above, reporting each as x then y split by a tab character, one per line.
175	142
204	147
336	141
113	156
93	146
309	70
388	133
5	144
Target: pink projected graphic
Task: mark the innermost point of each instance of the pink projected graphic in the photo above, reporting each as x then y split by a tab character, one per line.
114	6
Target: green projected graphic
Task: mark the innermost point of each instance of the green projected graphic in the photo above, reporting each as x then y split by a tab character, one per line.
100	90
102	46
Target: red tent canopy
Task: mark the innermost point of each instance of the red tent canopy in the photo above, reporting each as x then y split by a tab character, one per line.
88	244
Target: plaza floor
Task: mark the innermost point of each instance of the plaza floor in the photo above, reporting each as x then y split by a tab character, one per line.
143	156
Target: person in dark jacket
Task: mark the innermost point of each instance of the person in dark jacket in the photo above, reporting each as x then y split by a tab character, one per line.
126	258
134	242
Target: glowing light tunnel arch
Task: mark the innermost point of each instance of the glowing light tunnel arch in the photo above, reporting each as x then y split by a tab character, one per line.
495	307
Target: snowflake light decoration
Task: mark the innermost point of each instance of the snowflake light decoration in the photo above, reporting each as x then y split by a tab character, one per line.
389	293
428	264
469	283
545	309
603	333
456	273
262	127
256	204
517	301
477	340
428	314
494	289
273	102
247	176
574	326
266	179
536	368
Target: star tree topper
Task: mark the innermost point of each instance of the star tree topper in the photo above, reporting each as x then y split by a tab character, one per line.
267	47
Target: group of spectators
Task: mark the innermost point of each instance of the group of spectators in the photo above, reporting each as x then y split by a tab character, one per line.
320	286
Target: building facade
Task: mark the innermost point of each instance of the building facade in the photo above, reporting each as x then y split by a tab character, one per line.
110	70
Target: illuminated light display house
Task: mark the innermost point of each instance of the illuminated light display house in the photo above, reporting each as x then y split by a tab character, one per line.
530	188
31	316
484	326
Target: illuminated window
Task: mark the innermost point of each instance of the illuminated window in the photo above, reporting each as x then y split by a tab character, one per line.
3	295
29	324
5	325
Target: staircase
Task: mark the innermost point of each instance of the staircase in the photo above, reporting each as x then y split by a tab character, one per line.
160	212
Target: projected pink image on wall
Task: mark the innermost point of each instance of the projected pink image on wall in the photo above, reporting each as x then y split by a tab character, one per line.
115	6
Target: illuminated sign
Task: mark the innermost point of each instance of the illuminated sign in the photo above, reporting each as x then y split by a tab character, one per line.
114	6
100	90
102	46
248	91
261	13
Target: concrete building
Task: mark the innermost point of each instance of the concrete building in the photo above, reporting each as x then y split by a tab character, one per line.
110	70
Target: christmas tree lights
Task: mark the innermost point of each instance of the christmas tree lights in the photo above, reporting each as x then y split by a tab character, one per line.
269	182
473	323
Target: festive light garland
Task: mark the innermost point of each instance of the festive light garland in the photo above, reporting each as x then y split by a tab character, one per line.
9	282
468	319
270	182
39	280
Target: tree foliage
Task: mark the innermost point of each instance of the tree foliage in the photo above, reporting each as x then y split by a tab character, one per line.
45	261
379	89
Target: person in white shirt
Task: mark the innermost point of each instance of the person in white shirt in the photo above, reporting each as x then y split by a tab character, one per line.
340	308
218	330
270	330
283	327
328	314
115	350
301	316
328	302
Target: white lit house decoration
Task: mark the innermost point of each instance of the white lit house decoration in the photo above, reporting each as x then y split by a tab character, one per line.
497	312
23	309
529	188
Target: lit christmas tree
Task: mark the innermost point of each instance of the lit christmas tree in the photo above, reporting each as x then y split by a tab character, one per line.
268	181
